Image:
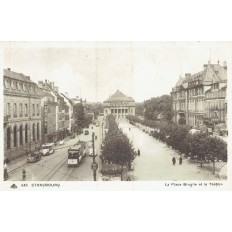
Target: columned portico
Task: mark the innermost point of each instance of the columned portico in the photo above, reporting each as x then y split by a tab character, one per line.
119	105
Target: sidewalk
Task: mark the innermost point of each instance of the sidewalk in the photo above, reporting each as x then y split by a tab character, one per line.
21	161
16	163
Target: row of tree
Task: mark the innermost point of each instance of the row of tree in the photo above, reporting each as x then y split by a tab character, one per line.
81	118
117	147
201	147
158	108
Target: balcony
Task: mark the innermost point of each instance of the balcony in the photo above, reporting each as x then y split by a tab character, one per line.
181	111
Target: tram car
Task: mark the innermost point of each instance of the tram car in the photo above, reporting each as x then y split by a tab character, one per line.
76	154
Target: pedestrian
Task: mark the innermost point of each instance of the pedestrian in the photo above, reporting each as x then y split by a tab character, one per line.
24	174
5	172
173	160
138	152
180	160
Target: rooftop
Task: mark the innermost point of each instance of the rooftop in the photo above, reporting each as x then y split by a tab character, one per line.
212	73
118	96
17	76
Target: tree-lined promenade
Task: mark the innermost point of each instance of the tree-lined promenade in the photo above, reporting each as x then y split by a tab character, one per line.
200	147
117	148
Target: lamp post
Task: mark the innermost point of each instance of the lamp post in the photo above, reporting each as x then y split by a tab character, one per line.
94	165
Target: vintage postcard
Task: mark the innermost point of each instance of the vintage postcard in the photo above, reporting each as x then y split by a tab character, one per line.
116	116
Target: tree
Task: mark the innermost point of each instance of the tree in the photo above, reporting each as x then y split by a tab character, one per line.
79	114
216	150
159	106
139	109
117	147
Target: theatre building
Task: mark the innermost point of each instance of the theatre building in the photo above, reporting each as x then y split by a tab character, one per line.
119	105
22	114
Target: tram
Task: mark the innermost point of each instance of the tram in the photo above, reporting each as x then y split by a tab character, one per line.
76	154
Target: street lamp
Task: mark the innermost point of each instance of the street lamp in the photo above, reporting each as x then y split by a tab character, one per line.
94	165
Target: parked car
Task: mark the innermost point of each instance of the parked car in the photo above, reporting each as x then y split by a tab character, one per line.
90	151
47	148
34	157
86	132
72	136
61	142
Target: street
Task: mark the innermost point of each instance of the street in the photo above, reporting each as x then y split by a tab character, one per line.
54	167
155	160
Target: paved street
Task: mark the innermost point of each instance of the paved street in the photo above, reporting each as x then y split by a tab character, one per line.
155	161
54	167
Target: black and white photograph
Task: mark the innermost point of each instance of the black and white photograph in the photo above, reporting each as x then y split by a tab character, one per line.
115	111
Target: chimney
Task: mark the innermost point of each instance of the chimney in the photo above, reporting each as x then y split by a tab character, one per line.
225	65
40	84
8	69
52	85
205	66
45	84
56	89
28	77
187	74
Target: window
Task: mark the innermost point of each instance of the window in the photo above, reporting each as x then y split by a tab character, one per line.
26	110
126	110
15	110
8	109
33	132
37	131
20	110
123	111
21	135
33	109
112	111
119	111
38	111
115	111
15	136
8	138
26	134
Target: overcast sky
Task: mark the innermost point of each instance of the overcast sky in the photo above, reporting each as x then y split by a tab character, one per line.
95	70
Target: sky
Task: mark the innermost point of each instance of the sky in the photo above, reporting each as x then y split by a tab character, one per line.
95	70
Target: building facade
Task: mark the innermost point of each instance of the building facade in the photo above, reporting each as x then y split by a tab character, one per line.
48	112
22	115
215	103
119	105
69	103
62	123
192	97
